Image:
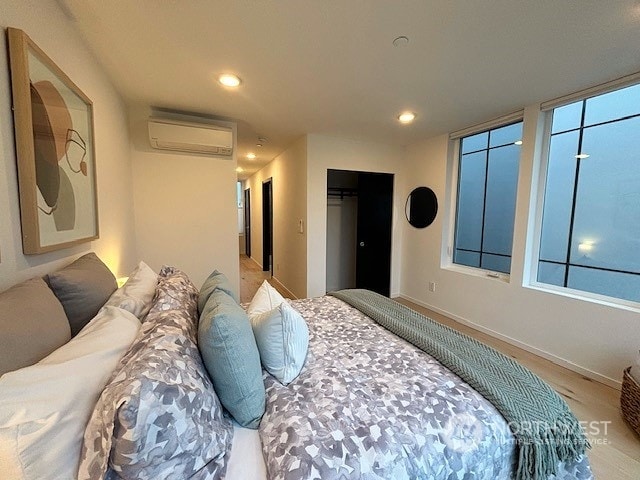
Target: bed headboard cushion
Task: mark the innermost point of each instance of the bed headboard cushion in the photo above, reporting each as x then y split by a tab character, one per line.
82	288
33	324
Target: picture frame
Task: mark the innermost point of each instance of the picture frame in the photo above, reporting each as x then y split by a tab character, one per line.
55	151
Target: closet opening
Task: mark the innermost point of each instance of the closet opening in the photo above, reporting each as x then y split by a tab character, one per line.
359	221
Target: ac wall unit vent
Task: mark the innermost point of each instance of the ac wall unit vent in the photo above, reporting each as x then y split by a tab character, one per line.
190	137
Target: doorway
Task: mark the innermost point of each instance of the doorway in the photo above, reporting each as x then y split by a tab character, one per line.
359	222
247	222
267	226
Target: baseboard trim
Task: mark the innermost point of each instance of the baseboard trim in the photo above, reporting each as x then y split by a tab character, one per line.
290	294
256	262
517	343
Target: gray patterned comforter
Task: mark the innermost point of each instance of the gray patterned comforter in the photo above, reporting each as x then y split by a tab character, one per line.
370	405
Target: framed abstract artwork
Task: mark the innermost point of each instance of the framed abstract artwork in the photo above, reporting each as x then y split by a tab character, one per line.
55	151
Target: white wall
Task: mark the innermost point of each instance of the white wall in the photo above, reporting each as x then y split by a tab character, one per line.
594	339
186	211
55	34
328	152
288	172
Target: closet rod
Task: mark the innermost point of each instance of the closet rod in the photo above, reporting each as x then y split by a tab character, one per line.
342	192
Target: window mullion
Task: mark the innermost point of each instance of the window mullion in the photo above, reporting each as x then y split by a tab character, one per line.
455	233
575	194
484	197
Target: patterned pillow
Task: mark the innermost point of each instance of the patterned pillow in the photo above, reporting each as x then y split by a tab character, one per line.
159	417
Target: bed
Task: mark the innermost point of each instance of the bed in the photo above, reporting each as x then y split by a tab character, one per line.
176	374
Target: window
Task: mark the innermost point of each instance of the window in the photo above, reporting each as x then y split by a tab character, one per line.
486	204
590	236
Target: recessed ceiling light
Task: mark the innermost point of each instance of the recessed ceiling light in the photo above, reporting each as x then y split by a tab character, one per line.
582	155
251	156
400	41
406	117
258	145
239	170
262	140
229	80
518	142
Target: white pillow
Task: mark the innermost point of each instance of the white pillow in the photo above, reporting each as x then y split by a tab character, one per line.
266	299
136	296
282	337
44	408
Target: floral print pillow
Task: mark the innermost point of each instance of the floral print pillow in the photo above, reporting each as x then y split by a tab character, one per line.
159	417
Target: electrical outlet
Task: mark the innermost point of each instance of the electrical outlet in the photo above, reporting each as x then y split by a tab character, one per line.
432	286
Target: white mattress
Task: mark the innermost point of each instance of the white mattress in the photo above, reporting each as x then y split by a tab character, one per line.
246	461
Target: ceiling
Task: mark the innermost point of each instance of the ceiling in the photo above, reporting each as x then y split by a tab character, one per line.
311	66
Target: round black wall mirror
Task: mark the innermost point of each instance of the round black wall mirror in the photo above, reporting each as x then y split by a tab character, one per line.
421	207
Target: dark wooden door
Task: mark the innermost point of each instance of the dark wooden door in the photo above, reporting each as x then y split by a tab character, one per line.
375	210
247	221
267	226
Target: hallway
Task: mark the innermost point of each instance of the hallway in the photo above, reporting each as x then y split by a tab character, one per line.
251	277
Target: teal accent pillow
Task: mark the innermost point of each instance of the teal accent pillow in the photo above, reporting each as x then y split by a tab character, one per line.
216	280
230	354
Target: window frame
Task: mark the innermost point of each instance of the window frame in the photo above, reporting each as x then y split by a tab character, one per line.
539	190
453	185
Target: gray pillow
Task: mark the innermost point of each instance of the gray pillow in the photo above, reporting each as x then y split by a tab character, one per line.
230	353
216	280
82	288
33	324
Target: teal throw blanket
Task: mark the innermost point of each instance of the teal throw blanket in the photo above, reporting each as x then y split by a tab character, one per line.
545	429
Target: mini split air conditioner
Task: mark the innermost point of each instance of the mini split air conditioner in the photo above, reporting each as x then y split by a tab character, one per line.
190	137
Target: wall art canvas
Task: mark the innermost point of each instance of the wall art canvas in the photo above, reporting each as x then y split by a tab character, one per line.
55	151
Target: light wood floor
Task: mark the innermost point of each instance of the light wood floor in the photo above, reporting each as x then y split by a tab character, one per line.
614	456
251	277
